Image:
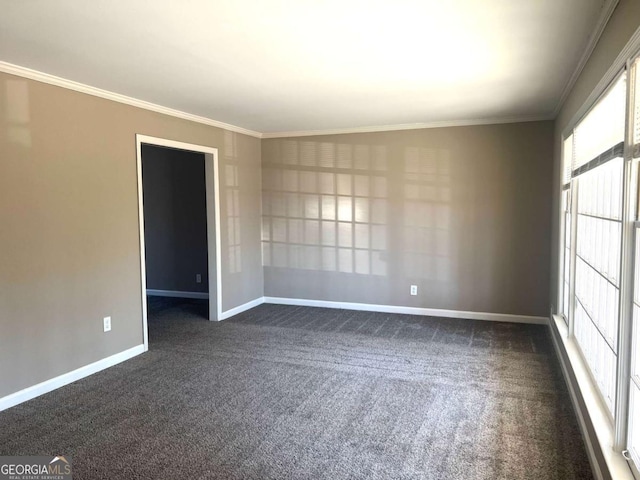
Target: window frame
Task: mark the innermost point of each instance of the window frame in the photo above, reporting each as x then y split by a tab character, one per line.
619	418
628	330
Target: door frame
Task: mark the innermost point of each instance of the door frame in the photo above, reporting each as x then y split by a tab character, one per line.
212	185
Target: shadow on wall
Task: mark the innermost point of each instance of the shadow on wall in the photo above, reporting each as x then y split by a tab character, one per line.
327	209
353	210
427	214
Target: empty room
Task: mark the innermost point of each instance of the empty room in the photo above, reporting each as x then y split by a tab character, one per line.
320	240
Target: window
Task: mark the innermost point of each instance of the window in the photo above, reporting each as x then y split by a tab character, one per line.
634	389
597	279
566	267
565	232
633	438
599	294
595	150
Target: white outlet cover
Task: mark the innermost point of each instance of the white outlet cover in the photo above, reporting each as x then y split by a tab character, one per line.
414	289
198	278
106	321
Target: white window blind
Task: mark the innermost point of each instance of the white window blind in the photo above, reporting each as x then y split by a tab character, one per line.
597	280
598	167
603	127
636	112
566	209
567	159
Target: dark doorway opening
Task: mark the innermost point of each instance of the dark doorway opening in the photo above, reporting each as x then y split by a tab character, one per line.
175	230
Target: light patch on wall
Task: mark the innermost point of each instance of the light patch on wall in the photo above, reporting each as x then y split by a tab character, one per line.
233	229
17	112
326	208
427	215
232	188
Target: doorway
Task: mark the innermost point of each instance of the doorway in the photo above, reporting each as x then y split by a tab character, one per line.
186	259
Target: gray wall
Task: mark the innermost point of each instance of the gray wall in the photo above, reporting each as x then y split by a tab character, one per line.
622	25
463	213
175	219
69	245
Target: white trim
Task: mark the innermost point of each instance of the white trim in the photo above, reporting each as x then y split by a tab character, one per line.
241	308
630	49
409	126
177	294
212	181
116	97
432	312
596	410
212	177
24	72
67	378
143	268
627	263
603	19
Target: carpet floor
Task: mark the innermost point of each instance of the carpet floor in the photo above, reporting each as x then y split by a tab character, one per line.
283	392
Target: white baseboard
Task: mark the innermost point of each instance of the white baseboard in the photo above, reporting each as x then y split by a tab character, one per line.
67	378
433	312
177	294
241	308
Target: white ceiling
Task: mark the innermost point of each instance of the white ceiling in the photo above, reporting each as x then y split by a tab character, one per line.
286	66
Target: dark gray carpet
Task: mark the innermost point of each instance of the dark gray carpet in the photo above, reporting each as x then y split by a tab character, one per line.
293	393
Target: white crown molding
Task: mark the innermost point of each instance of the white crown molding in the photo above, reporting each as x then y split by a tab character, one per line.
605	14
631	49
116	97
409	126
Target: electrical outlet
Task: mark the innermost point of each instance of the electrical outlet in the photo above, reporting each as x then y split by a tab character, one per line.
198	278
414	289
106	321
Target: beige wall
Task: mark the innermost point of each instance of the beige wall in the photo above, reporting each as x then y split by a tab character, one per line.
69	247
463	213
622	25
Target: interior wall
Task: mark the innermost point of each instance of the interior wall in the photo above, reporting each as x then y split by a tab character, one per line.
621	26
69	245
175	219
462	212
